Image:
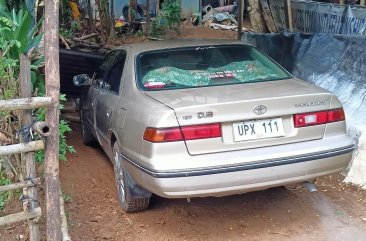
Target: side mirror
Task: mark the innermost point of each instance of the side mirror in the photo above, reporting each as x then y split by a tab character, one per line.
81	79
106	86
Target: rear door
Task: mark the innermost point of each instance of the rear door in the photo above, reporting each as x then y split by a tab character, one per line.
108	95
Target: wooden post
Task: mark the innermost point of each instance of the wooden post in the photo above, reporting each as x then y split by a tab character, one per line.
90	14
112	32
341	2
52	72
240	19
362	2
147	17
28	160
157	7
288	11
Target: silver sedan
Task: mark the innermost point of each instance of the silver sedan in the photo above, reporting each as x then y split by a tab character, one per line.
208	118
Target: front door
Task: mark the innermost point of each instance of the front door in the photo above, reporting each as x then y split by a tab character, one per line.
108	96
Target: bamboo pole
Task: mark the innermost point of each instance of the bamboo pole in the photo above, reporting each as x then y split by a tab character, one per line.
25	103
240	19
21	148
20	185
42	128
52	72
64	228
17	217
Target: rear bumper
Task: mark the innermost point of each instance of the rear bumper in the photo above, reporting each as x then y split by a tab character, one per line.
241	178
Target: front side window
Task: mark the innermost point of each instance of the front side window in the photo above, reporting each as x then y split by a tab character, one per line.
114	75
205	66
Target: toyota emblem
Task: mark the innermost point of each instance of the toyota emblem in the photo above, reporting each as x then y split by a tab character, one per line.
260	109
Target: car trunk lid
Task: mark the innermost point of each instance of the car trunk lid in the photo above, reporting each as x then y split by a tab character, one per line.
240	108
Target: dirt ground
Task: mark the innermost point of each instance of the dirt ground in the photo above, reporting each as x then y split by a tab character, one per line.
337	212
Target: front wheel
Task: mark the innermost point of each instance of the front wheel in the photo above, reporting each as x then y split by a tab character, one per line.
88	139
127	200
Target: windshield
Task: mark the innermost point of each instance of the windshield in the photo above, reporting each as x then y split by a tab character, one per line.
205	66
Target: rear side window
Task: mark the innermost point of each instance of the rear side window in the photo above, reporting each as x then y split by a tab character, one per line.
205	66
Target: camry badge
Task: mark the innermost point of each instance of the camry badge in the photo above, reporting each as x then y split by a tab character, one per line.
260	109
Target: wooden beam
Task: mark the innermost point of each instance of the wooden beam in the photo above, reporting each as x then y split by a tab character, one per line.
288	11
52	73
20	185
28	161
240	19
22	216
25	103
21	148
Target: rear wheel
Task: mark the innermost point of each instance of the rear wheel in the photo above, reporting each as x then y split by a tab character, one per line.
127	200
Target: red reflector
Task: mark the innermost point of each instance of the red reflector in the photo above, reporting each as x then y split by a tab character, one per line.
189	133
336	115
318	118
201	131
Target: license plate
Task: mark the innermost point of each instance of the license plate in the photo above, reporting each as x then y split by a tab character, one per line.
259	129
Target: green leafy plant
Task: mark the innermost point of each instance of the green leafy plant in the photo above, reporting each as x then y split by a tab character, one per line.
63	129
169	18
171	13
21	35
3	195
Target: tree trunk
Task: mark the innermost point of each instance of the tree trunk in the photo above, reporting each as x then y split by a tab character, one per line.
256	17
104	18
132	10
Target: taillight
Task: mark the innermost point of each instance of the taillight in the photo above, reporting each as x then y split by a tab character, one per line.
194	132
318	118
163	134
336	115
201	131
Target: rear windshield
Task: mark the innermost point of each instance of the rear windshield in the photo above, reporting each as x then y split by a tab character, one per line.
205	66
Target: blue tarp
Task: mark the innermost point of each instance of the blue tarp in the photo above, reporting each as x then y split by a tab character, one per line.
336	63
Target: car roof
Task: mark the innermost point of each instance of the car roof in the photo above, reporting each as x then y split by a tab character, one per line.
167	44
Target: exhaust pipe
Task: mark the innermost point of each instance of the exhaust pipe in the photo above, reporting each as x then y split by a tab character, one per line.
310	186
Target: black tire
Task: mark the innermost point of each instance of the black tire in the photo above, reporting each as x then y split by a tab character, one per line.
88	138
128	202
